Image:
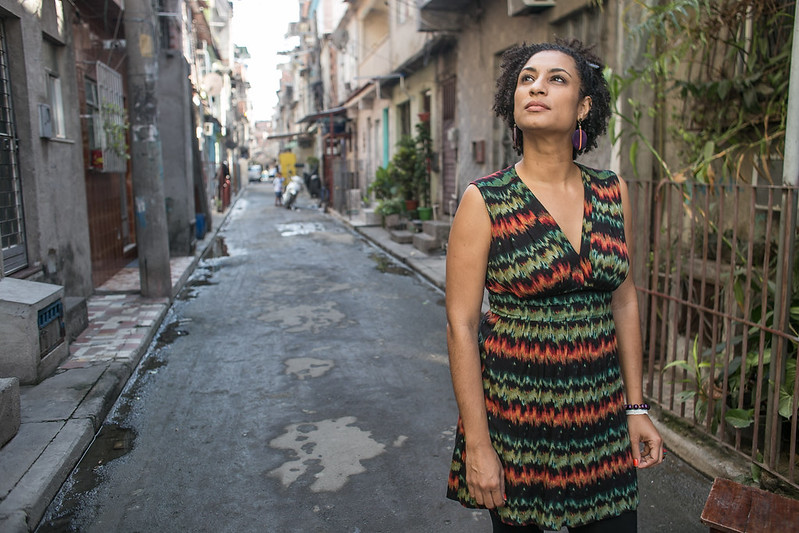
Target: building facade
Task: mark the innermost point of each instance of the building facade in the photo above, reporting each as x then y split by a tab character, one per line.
386	66
67	215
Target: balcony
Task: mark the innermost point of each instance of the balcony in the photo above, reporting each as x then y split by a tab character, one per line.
443	5
375	62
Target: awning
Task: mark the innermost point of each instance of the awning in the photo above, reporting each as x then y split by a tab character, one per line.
368	90
327	113
285	135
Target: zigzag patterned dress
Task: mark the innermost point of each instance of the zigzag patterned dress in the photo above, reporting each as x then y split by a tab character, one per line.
551	375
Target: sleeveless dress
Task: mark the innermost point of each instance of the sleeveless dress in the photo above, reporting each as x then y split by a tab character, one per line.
551	376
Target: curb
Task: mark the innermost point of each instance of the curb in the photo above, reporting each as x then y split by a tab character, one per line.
25	504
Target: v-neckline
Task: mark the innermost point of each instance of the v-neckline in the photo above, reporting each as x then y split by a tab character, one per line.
584	229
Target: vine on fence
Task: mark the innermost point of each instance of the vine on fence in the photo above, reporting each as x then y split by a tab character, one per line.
718	71
715	75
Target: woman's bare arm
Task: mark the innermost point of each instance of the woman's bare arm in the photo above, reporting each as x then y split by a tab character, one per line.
467	257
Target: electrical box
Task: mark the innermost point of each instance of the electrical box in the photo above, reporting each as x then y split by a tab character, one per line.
33	329
45	122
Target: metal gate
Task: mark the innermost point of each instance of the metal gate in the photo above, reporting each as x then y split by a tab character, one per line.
720	306
12	226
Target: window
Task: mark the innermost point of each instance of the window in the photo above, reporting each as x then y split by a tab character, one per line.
111	128
55	98
52	59
12	223
93	110
404	118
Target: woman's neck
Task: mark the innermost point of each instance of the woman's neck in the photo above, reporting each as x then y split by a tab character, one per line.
553	169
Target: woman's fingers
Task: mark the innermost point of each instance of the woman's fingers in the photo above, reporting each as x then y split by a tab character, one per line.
485	478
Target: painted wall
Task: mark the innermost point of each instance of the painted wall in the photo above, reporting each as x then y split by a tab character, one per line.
39	37
481	43
176	133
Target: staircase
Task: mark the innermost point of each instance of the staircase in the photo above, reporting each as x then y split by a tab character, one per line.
428	236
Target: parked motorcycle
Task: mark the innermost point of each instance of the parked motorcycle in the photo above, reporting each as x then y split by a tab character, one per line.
292	191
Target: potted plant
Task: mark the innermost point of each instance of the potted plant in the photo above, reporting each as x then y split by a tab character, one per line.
386	190
390	209
386	183
424	149
413	160
406	163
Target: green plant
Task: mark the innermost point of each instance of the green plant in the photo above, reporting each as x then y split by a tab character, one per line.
115	128
412	161
719	70
407	175
424	147
746	373
406	163
390	206
386	183
697	370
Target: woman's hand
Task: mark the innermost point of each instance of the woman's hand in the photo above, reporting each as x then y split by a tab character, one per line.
485	477
643	432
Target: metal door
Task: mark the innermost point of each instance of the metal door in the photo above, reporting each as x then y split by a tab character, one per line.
449	148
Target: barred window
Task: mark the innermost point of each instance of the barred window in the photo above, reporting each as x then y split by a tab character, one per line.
112	130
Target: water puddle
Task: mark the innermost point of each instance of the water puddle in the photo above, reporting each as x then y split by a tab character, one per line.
131	395
299	228
169	334
201	277
386	265
218	248
333	450
304	367
205	270
72	504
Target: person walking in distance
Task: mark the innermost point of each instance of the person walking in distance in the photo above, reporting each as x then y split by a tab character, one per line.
549	381
277	182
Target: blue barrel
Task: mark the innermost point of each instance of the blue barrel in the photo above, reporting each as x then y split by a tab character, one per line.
200	226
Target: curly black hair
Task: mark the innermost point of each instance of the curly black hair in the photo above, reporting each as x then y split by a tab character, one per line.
592	83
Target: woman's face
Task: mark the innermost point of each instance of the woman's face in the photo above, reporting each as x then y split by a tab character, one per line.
547	97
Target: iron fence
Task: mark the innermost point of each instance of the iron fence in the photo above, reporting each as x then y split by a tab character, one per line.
716	273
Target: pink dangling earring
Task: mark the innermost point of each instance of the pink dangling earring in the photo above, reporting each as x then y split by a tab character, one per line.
579	137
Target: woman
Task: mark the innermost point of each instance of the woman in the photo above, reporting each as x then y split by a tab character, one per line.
548	382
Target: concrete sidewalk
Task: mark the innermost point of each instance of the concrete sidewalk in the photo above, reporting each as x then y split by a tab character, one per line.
62	414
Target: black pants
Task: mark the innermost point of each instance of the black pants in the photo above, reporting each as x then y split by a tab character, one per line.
626	522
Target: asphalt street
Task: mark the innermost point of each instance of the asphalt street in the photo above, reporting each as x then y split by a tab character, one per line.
298	383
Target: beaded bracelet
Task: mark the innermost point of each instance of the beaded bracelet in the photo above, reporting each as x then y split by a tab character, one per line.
636	409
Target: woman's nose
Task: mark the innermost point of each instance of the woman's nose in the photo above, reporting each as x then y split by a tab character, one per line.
536	87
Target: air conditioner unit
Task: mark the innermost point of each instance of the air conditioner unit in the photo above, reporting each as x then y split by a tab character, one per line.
523	7
208	129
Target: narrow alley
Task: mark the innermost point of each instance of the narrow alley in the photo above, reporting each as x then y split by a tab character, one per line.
298	383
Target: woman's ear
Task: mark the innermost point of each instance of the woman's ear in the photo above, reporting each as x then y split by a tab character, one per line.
584	108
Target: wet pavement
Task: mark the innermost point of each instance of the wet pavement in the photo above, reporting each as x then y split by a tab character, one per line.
63	413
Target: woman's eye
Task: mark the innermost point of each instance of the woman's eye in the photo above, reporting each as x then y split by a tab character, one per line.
558	79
